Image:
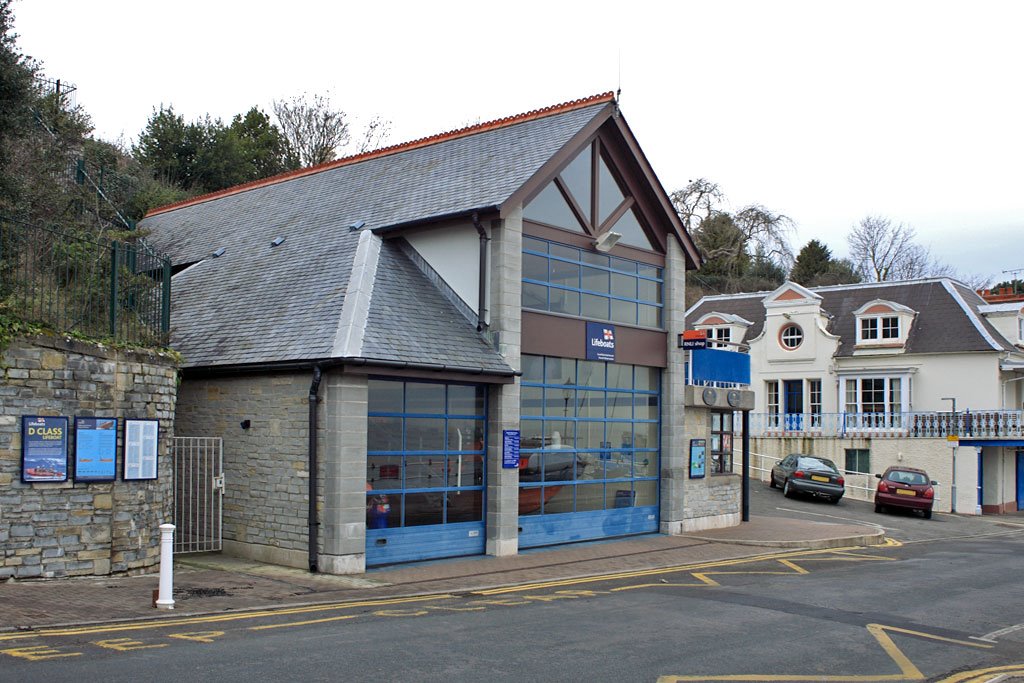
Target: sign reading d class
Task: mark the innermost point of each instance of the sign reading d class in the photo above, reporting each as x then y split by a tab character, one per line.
44	448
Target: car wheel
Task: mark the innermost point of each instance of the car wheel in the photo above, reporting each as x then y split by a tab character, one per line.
835	500
787	490
771	481
927	514
878	508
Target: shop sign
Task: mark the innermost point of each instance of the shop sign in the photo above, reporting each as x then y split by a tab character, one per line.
510	449
44	448
601	342
693	339
95	448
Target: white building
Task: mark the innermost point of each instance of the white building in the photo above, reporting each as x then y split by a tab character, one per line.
874	374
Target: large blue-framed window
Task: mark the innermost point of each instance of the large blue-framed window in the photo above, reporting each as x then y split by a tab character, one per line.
564	279
425	453
589	436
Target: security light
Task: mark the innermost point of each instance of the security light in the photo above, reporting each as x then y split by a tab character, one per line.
607	240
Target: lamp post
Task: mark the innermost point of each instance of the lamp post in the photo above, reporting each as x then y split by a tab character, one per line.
953	431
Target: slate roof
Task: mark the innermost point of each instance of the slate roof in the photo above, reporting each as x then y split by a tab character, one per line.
263	304
948	318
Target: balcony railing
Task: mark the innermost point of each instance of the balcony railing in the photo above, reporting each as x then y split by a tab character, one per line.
993	424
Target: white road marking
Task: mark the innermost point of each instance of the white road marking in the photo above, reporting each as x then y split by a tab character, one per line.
845	519
1001	632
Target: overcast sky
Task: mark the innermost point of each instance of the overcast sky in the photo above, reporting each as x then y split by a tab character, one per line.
825	111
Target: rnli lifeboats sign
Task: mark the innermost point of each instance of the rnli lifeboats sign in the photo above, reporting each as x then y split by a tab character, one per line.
44	448
601	342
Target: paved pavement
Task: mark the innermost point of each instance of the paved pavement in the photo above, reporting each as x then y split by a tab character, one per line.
213	583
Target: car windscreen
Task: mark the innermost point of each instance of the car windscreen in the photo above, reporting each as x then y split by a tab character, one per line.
816	464
913	478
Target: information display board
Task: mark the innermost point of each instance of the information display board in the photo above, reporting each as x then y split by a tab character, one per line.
510	448
141	438
95	448
44	448
698	456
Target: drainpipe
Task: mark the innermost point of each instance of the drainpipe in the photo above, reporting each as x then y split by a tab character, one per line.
314	524
484	239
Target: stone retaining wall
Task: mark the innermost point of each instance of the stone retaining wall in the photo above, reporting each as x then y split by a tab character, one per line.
76	528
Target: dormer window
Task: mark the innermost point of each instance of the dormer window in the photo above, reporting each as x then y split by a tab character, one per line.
883	324
882	327
724	330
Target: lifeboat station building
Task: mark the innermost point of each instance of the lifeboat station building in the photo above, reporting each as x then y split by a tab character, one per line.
466	344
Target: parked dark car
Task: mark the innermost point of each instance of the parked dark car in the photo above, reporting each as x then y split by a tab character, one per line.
905	487
800	473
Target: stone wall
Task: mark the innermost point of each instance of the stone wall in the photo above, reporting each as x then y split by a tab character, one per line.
266	470
75	528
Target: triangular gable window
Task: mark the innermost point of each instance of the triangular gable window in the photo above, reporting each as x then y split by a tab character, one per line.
586	197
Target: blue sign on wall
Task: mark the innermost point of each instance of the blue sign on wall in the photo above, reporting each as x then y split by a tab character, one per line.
44	448
510	448
715	365
95	448
601	342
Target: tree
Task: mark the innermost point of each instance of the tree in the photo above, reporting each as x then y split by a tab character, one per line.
882	250
724	246
698	201
813	260
313	129
263	147
16	94
166	147
767	230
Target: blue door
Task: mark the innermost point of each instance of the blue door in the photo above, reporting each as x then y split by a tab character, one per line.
794	407
1020	480
588	465
425	474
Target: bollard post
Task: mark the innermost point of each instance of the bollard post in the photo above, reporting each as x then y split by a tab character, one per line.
166	598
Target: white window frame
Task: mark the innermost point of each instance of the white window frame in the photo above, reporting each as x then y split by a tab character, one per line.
893	405
880	325
814	402
772	407
719	335
798	336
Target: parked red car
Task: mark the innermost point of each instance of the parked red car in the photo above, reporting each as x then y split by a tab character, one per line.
905	487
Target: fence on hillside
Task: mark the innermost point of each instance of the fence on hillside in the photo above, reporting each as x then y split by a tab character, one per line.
81	284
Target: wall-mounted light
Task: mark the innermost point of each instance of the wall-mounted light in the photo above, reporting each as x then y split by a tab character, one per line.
607	240
245	424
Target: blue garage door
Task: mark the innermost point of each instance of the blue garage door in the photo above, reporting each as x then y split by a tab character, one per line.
424	470
589	450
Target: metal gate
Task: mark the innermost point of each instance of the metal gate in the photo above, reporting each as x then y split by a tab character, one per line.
198	493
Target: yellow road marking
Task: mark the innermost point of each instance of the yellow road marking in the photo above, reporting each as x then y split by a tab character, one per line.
38	653
235	616
266	627
198	636
908	672
668	570
126	644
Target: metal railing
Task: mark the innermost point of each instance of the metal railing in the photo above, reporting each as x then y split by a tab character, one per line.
994	424
859	485
75	283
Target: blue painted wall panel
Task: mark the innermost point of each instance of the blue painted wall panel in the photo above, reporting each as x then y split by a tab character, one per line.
540	530
409	544
715	365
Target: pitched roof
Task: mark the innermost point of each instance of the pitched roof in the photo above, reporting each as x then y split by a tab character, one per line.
263	304
948	318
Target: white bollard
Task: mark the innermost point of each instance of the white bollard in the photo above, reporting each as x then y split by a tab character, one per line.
166	597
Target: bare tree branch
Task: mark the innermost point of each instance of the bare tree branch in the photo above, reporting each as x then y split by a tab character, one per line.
767	230
313	129
697	202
